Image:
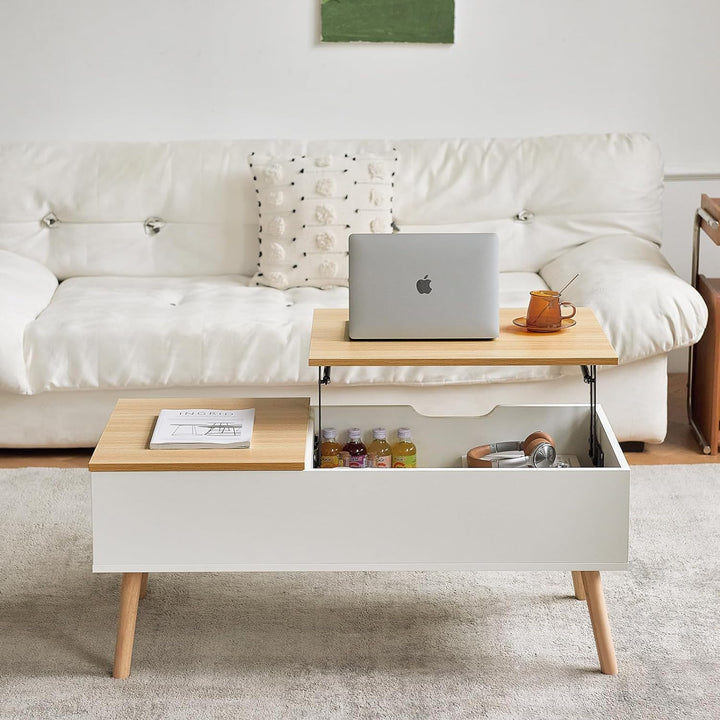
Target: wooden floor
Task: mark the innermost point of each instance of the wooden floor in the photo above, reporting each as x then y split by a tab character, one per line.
679	447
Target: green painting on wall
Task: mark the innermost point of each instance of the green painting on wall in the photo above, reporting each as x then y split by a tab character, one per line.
418	21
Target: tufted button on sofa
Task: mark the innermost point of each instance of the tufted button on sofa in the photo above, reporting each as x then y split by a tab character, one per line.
129	269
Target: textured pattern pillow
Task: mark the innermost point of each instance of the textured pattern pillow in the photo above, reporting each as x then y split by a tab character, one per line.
307	208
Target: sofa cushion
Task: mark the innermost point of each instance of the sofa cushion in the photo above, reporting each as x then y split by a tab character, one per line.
307	207
643	306
102	192
573	187
123	332
542	195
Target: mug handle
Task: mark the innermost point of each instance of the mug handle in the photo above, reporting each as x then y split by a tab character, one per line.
567	304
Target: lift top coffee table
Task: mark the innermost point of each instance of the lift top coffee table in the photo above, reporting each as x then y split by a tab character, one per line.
268	508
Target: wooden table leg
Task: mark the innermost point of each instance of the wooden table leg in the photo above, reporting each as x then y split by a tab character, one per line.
143	585
599	620
129	597
578	585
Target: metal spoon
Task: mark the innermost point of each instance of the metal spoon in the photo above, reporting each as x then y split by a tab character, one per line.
567	284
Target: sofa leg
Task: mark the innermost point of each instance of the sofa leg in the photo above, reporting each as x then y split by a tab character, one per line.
632	446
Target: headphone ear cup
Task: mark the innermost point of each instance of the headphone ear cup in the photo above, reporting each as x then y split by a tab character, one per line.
529	447
545	456
537	435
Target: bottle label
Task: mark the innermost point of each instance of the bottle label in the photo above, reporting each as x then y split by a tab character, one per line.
383	461
405	461
329	461
357	461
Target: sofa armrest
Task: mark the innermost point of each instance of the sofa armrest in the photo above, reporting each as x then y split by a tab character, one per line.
26	288
644	307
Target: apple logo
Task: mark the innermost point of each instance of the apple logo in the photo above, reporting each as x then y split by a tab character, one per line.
423	286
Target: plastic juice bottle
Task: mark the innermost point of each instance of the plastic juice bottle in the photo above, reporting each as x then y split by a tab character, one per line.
329	448
356	448
404	453
380	448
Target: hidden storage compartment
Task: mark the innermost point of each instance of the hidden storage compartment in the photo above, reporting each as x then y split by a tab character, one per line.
442	441
445	515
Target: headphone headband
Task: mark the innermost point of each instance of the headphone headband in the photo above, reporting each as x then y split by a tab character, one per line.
538	451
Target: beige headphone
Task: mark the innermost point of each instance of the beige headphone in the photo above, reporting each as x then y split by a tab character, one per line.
538	452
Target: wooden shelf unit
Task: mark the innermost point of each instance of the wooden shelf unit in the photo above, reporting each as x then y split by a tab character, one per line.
706	367
704	363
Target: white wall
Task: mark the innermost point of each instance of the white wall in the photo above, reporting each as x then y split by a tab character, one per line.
180	69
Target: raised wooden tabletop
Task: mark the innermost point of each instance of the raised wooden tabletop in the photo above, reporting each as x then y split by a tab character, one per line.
583	344
279	438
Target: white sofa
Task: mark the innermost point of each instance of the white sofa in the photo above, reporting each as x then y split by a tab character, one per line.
94	306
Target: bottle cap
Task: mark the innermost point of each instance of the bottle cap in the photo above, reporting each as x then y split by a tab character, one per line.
329	433
404	433
379	433
354	433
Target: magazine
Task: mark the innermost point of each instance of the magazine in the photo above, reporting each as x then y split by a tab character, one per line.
203	428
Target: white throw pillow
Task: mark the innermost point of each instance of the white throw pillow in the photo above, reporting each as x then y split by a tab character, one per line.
307	208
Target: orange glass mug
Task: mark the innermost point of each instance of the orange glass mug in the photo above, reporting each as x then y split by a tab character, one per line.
545	310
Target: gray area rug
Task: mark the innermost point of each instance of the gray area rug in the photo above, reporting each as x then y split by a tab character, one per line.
360	645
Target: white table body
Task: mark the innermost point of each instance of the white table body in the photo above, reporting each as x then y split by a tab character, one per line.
430	518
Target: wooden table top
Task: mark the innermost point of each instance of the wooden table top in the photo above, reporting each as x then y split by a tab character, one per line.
583	344
712	205
279	438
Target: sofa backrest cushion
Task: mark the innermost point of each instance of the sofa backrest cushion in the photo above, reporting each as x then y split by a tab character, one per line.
541	195
82	208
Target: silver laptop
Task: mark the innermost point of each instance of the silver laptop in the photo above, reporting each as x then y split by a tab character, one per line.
429	286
